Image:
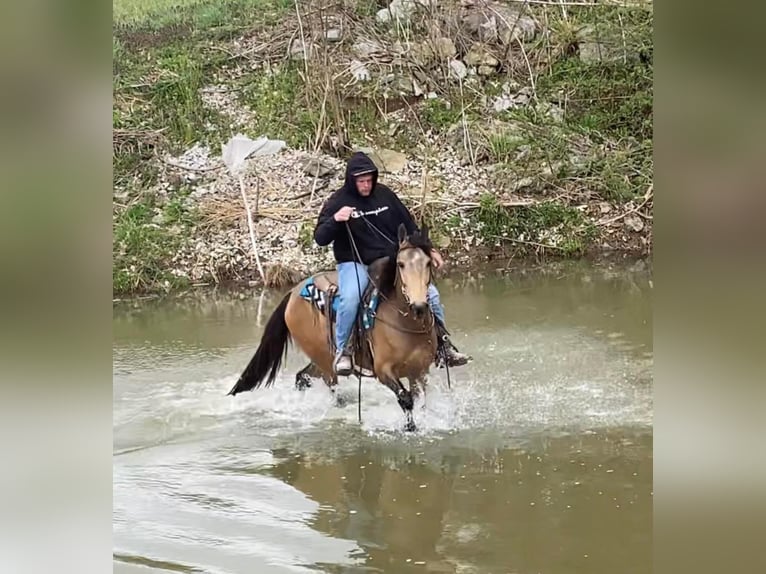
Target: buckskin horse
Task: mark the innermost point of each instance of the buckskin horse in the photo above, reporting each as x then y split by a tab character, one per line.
400	341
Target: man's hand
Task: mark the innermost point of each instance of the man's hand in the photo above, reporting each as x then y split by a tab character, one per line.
343	214
436	259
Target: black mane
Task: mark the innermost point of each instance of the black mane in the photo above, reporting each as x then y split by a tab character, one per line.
385	269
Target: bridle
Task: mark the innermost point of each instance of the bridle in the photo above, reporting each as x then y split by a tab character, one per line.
429	314
398	279
399	276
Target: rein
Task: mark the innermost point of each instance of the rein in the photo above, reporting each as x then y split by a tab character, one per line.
424	331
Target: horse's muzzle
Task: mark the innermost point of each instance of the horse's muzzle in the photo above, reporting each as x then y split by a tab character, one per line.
419	309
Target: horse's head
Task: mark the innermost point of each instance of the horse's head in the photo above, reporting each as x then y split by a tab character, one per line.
413	269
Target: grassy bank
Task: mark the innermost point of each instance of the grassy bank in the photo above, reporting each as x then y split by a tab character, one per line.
577	136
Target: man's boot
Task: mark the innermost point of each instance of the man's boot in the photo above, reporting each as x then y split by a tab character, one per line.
342	363
447	352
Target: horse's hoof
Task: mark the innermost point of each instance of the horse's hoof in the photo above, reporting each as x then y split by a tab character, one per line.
409	426
302	384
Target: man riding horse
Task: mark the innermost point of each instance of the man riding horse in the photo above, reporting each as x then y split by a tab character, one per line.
361	220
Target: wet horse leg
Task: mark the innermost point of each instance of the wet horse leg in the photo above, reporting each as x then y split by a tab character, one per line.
303	377
404	397
303	381
332	383
418	384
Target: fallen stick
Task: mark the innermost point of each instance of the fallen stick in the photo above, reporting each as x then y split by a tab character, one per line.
250	225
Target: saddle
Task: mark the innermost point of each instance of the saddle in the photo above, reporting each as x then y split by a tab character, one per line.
322	290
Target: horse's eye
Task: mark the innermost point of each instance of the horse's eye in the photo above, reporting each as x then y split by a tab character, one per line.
401	265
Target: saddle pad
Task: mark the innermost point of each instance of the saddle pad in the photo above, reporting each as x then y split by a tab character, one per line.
318	297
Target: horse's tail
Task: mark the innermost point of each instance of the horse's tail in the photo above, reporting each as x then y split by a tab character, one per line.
270	353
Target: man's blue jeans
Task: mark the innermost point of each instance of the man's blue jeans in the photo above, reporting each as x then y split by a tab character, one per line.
349	292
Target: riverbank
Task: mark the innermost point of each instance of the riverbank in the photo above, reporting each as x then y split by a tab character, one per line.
514	131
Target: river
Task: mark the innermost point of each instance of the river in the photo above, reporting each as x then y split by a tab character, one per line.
538	459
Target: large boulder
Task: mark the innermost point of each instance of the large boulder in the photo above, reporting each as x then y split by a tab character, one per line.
400	10
429	51
480	55
386	160
493	22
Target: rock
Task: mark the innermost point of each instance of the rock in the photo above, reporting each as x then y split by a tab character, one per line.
444	48
604	207
333	35
400	10
634	223
385	159
383	16
299	50
524	95
421	52
367	48
478	55
317	168
429	51
502	103
510	99
516	27
596	52
458	69
522	183
485	70
553	111
494	22
420	76
359	71
398	84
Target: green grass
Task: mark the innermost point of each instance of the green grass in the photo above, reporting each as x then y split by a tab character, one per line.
614	100
146	236
623	173
199	14
503	145
549	223
610	98
277	102
135	11
440	115
175	98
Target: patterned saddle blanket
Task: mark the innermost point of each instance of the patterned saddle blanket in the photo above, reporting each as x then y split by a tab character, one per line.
322	290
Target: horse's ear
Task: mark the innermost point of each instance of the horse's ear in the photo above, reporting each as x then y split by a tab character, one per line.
402	233
424	233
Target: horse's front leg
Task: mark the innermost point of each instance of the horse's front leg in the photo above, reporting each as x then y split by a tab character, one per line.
404	397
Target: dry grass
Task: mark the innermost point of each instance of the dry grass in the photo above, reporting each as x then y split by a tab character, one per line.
280	276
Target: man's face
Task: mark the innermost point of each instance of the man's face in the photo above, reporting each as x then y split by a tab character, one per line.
364	184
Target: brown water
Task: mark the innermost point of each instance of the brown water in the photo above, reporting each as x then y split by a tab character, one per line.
539	459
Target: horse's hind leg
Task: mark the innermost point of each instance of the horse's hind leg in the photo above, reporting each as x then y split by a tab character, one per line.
404	397
303	377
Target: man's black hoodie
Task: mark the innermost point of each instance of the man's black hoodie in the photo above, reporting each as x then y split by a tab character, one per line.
381	209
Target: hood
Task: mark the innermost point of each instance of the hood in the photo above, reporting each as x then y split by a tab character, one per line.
358	164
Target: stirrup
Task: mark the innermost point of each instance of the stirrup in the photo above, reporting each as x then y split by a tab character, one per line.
345	370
